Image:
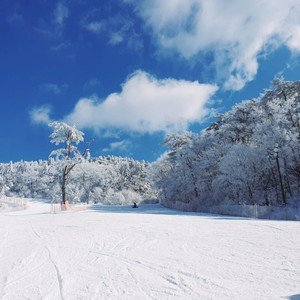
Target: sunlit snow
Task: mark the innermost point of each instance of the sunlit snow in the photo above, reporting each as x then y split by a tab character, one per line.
146	253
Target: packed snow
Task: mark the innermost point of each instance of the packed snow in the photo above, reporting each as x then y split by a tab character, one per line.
117	252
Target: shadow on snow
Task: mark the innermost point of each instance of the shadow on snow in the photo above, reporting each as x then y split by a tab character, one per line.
154	209
294	297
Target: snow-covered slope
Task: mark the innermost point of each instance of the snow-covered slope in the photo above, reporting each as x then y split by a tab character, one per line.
145	253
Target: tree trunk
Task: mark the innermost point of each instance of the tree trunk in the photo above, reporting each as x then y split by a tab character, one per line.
64	186
267	201
281	183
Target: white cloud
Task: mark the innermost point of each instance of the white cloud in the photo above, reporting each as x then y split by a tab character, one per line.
121	146
235	32
92	83
117	28
146	105
61	12
60	46
122	30
95	27
53	28
116	38
53	88
40	115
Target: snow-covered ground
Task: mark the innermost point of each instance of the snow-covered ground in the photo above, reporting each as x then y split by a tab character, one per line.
145	253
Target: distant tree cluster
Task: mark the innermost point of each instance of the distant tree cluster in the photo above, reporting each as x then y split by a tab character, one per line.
250	155
76	177
106	180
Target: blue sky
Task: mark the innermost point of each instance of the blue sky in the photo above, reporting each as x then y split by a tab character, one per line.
129	72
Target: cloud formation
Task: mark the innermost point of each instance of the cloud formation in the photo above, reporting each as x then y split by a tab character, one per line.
145	105
95	26
234	32
53	88
61	12
92	83
60	46
117	28
121	146
40	115
53	28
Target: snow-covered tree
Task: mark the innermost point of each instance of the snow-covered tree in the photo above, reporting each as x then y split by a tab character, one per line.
69	154
249	155
94	179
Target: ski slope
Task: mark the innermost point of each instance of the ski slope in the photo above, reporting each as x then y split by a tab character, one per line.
145	253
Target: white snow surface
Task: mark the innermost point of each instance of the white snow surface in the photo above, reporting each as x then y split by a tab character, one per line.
145	253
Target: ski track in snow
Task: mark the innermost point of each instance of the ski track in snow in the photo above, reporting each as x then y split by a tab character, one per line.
147	253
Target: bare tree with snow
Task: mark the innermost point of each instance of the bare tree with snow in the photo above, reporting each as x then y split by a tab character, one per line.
68	135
